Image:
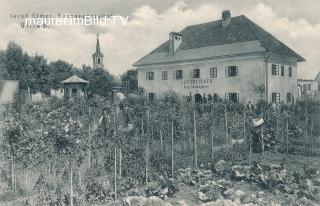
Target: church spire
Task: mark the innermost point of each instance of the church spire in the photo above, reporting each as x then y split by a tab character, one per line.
98	45
97	57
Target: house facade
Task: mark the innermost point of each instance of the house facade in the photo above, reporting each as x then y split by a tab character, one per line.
231	58
307	88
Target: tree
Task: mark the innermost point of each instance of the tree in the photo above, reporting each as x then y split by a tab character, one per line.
14	60
129	81
101	82
59	71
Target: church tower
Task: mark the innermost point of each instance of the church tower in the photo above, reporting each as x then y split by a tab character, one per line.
97	57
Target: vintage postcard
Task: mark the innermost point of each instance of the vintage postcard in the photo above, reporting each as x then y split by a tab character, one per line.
159	103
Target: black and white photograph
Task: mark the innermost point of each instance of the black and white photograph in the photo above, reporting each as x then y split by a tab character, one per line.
159	103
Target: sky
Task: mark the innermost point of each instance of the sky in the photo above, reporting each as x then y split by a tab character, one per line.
295	22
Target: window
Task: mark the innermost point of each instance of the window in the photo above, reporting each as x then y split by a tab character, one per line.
290	71
282	70
289	97
232	71
165	75
234	97
98	60
177	74
275	69
196	73
309	87
275	97
152	96
150	75
213	72
74	91
304	88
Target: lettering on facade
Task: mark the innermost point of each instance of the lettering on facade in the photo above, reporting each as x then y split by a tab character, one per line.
196	83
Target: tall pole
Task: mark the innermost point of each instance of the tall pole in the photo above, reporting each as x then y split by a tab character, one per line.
172	164
226	123
115	172
195	140
71	184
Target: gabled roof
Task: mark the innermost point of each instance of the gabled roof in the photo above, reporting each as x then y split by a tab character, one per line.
317	77
240	32
74	79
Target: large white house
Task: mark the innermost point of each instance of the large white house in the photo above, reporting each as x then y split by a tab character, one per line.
232	58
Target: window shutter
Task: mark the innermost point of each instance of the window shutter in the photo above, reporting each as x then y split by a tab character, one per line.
237	71
237	95
174	75
226	71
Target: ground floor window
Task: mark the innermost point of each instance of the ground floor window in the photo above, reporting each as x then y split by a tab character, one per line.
234	97
197	98
275	97
289	97
151	96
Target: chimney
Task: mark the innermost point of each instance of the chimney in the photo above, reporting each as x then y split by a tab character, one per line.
226	18
175	39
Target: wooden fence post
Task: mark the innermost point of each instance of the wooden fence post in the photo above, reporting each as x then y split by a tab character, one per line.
172	163
195	140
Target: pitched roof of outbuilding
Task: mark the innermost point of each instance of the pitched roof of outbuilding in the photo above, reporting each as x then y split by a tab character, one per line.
240	32
74	79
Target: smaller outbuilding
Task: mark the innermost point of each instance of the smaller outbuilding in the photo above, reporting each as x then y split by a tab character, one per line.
75	87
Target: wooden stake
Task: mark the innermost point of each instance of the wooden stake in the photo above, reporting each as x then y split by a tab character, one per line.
120	163
161	143
195	140
287	136
226	124
172	163
115	172
71	184
89	151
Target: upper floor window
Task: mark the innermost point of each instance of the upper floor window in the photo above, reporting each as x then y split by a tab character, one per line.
282	70
232	71
275	97
178	74
196	73
150	75
309	87
165	75
290	71
213	72
275	69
